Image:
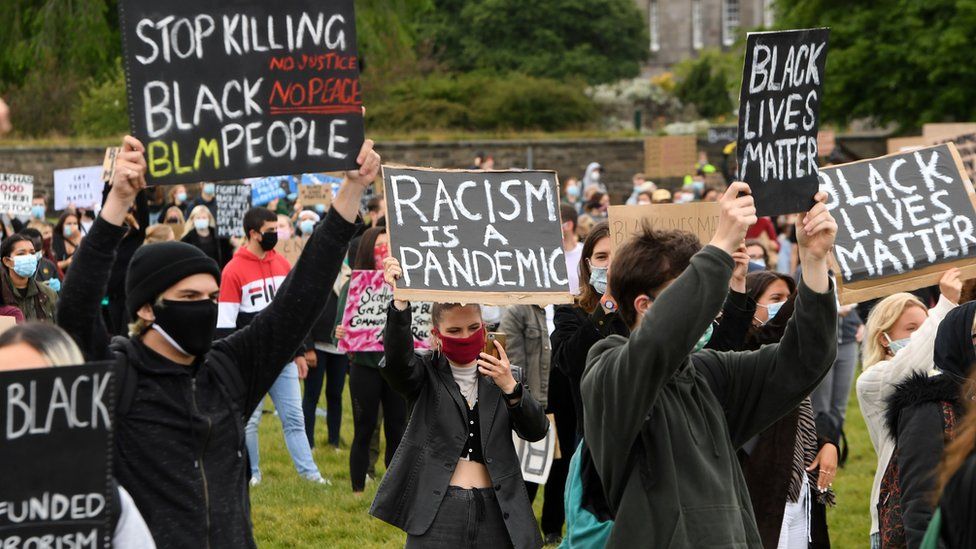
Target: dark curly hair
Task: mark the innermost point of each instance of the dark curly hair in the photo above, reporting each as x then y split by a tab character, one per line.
647	262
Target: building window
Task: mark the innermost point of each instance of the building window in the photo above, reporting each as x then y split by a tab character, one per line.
730	22
697	41
654	25
769	14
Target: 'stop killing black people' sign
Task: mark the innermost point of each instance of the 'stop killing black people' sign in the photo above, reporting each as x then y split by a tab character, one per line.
779	107
55	449
902	220
476	237
225	90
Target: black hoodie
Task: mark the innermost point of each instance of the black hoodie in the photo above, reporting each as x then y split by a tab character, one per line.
179	448
921	415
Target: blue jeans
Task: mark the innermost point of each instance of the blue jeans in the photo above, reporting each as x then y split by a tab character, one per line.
287	398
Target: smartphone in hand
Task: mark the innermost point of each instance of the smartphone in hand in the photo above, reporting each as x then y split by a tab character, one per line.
490	348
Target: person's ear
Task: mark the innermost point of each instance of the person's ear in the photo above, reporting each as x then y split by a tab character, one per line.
8	262
146	314
641	304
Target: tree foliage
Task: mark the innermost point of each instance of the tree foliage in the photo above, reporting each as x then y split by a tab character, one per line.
706	89
597	41
906	62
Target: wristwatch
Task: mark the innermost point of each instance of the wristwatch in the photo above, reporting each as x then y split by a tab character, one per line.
516	393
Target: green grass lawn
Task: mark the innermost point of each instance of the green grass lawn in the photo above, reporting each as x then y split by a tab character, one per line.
289	512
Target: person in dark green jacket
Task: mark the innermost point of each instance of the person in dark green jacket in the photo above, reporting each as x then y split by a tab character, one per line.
663	423
18	286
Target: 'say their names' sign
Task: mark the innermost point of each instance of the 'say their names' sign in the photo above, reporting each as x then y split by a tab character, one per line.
902	220
779	109
55	449
222	90
476	237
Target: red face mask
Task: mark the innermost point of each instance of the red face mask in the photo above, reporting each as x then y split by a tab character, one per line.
380	252
462	350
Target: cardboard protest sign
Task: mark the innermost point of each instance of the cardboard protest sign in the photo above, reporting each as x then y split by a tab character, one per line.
233	201
721	135
364	317
966	147
56	448
16	193
108	164
476	237
6	323
700	218
943	131
311	195
79	186
905	144
291	249
779	109
535	458
670	155
902	219
266	189
226	90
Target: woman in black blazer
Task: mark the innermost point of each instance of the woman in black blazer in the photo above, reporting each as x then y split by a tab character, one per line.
455	480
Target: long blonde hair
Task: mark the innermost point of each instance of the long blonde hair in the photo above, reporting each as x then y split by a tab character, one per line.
188	226
884	315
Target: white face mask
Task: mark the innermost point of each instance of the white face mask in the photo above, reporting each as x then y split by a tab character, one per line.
595	177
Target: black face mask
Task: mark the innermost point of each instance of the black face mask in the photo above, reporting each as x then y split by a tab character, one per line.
188	324
269	240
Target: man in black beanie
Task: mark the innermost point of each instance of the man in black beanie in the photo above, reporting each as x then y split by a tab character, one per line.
179	428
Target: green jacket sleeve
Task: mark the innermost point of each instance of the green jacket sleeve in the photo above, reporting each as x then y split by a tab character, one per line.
757	388
622	382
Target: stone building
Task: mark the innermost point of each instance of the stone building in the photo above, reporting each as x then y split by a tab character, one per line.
679	29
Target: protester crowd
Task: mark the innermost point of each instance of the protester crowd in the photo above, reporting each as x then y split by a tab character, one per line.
698	392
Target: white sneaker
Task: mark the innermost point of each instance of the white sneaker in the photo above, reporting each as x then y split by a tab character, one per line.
321	480
255	480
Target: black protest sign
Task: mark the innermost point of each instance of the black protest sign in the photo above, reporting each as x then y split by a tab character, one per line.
779	109
481	237
56	451
226	90
233	201
902	220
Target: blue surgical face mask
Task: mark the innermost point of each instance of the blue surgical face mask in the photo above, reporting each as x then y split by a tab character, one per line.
292	196
705	338
756	265
25	265
37	211
201	224
68	231
307	226
320	208
598	279
209	188
897	344
573	191
181	197
54	284
773	309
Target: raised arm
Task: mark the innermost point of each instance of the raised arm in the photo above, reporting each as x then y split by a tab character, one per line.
759	387
270	341
79	307
402	368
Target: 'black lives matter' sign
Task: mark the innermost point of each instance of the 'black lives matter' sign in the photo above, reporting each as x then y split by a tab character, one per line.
226	90
461	233
900	214
55	450
779	107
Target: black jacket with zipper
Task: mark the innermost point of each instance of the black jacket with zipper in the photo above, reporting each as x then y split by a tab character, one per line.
421	470
179	445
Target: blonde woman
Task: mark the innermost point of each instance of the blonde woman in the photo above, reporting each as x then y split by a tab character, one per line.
159	232
173	216
899	342
200	230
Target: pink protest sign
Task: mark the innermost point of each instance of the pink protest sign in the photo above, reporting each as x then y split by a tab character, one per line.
364	316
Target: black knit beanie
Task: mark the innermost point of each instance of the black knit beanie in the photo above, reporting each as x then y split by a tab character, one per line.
156	267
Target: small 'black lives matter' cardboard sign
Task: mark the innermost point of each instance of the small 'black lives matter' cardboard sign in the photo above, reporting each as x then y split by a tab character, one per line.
224	90
779	109
902	220
476	237
233	201
56	450
698	218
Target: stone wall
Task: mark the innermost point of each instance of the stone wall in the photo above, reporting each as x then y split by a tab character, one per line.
620	157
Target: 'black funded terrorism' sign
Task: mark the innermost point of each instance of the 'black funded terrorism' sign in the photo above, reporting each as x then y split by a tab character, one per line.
779	107
226	90
900	214
457	233
55	451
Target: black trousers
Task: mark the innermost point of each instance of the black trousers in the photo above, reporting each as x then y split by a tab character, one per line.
468	519
369	389
332	369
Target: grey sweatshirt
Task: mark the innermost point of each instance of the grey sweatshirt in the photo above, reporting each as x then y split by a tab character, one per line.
663	427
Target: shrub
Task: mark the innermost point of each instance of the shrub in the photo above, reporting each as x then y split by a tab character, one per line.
102	108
